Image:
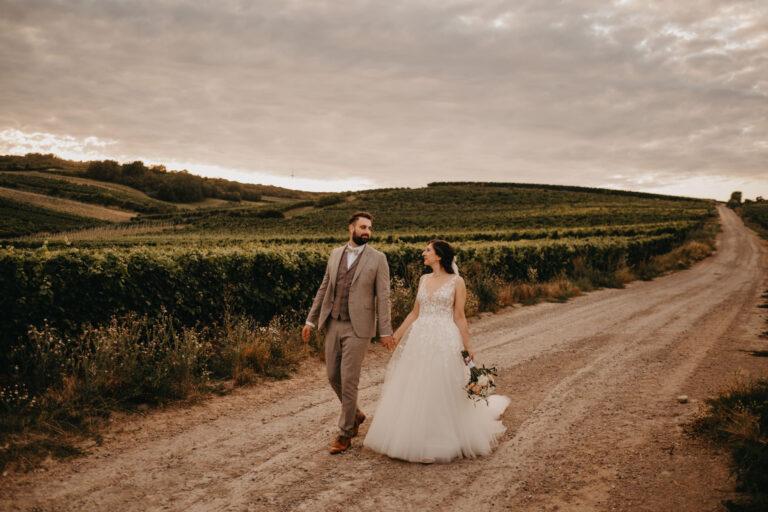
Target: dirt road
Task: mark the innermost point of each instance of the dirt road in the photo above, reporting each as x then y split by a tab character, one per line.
594	423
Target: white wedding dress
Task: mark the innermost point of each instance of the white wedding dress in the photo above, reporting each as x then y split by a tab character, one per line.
423	413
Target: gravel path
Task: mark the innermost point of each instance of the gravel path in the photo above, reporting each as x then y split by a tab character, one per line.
594	423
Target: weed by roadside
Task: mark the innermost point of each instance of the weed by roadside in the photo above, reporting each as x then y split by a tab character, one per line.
699	244
738	420
64	387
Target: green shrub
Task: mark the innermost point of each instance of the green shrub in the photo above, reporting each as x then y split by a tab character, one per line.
484	285
70	287
133	359
757	214
243	350
738	419
62	384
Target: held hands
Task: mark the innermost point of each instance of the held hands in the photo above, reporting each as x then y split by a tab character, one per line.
389	342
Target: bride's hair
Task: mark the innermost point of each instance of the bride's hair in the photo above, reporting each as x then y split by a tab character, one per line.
445	252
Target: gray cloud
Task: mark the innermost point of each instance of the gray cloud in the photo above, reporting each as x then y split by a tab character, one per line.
633	94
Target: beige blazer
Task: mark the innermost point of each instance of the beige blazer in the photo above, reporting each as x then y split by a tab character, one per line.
368	294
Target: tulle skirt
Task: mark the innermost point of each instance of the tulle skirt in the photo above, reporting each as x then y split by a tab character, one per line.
423	413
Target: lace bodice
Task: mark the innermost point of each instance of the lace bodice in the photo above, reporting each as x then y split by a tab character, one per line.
440	301
434	334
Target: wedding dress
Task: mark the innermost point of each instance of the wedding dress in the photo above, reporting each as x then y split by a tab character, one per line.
423	413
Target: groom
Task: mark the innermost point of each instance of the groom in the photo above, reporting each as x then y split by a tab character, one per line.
354	287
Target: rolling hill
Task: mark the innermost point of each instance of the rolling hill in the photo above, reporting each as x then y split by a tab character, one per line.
20	218
459	211
61	195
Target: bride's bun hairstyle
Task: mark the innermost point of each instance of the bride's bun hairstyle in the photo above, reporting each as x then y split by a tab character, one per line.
445	252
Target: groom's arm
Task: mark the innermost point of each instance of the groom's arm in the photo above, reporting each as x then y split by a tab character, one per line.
382	297
314	311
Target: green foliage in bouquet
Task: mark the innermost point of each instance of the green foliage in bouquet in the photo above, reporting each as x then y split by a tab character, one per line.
481	379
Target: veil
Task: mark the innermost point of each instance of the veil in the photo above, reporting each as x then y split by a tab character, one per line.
455	267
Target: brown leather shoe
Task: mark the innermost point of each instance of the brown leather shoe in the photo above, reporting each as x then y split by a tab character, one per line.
359	419
341	444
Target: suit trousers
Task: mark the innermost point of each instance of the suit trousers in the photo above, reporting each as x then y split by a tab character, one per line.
344	353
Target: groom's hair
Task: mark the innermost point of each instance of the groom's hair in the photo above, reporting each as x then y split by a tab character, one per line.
357	215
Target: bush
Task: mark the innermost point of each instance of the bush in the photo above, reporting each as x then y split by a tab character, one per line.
738	419
48	285
330	200
133	359
66	384
698	244
402	297
756	215
242	350
485	287
612	275
472	306
559	289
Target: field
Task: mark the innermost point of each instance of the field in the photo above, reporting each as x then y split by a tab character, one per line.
18	218
264	258
476	208
182	295
260	262
67	206
84	190
455	212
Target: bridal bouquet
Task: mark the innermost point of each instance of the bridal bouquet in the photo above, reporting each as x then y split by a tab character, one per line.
481	383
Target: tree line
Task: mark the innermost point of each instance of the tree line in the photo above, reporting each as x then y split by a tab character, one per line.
155	180
174	186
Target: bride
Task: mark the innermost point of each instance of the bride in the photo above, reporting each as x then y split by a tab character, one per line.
424	414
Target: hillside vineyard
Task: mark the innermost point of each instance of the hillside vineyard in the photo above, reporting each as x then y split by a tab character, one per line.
266	259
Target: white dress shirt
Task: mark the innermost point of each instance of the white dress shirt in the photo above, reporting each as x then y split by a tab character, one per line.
353	253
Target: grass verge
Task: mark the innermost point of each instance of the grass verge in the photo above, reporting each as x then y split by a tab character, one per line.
63	388
737	419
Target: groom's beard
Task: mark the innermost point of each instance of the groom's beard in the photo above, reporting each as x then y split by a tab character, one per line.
360	240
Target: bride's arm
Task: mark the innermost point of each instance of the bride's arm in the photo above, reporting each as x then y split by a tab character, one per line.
460	317
412	316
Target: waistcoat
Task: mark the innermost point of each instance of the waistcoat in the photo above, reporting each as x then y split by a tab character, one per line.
344	277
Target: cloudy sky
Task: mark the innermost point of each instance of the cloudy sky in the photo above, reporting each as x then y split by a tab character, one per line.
658	96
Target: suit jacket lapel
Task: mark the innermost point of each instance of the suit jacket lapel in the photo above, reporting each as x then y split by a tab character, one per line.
335	260
364	257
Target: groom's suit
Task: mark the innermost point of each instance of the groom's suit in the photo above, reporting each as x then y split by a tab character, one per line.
346	306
